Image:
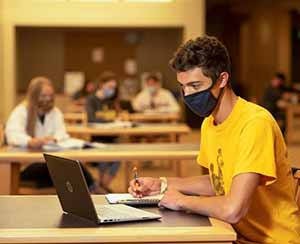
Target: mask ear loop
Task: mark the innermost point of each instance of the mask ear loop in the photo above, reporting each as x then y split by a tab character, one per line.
220	94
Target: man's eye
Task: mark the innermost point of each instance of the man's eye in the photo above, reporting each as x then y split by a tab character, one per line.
196	86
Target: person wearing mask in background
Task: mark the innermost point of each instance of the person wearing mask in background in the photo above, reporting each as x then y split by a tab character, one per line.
37	122
250	183
105	98
154	98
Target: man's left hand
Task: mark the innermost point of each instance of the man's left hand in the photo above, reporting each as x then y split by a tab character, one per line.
172	200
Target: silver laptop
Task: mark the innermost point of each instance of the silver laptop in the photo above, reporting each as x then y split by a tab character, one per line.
75	198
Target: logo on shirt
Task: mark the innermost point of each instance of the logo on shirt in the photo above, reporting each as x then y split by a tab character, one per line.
217	175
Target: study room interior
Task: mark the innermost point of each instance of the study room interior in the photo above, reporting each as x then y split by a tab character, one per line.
121	121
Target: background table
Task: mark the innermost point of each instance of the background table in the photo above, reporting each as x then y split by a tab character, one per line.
81	118
12	158
151	117
39	219
150	129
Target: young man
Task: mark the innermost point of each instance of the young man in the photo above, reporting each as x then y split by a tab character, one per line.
250	183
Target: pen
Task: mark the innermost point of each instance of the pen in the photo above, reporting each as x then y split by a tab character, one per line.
135	176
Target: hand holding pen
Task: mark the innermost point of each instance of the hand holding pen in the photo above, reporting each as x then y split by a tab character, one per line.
145	186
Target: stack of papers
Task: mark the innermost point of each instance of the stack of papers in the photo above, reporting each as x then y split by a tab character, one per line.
128	199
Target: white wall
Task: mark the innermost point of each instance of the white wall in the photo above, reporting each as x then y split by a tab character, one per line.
189	14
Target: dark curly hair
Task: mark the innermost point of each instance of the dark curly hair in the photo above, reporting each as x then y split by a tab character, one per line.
206	52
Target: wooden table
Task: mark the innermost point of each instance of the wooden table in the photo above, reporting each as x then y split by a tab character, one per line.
151	117
293	155
12	158
81	118
39	219
166	129
75	118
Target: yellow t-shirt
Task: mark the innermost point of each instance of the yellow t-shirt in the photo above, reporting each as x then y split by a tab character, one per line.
249	140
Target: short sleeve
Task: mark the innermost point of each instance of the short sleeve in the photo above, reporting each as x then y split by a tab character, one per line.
256	152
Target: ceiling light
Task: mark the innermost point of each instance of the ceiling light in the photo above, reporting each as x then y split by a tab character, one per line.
148	1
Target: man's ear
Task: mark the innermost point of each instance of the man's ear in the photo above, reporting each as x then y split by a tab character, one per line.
224	78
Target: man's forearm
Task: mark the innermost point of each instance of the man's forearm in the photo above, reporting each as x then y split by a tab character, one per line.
219	207
231	207
198	185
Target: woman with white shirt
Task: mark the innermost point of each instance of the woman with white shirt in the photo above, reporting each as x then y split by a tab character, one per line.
34	123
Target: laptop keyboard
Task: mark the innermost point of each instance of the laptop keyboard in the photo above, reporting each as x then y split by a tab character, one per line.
118	212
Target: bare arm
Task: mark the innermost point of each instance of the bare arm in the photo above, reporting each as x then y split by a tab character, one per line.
148	186
198	185
230	208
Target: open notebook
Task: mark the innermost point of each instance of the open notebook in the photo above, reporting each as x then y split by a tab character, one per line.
128	199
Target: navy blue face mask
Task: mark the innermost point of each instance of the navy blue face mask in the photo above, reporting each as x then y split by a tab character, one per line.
202	103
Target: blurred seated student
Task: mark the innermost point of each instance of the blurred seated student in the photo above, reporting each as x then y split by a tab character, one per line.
80	96
154	98
34	123
129	88
105	98
276	97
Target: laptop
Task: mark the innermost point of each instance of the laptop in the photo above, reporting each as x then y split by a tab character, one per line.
75	198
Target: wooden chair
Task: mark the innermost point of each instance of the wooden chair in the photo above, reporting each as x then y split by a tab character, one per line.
75	118
1	135
292	116
297	181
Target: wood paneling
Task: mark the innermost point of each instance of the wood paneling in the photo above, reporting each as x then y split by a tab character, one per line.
39	53
265	48
80	44
52	51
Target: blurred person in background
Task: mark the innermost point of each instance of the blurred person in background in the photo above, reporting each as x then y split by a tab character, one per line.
276	97
129	88
35	123
105	98
80	96
154	98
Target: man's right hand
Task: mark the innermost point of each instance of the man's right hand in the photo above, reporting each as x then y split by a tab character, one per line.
36	143
146	186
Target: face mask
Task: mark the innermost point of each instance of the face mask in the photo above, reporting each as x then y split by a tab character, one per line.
152	89
202	103
108	92
45	105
